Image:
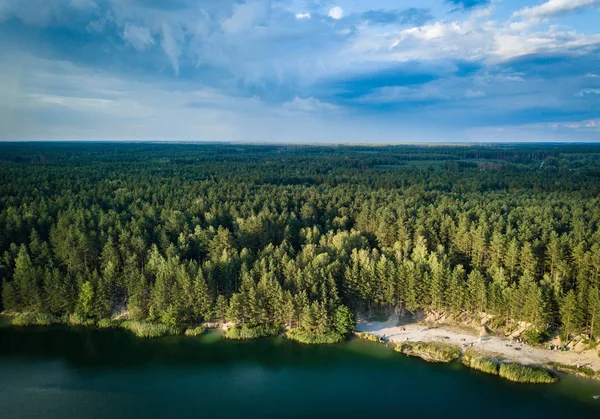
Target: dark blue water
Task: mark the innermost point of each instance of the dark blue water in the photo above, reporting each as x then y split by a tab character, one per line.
85	373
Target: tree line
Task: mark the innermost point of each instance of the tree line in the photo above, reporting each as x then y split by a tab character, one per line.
267	235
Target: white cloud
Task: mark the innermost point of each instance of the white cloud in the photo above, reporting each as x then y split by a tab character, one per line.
139	37
247	15
336	13
397	94
310	104
584	92
171	44
302	15
472	94
469	39
553	8
77	103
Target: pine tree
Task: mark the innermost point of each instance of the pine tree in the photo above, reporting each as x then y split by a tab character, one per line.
411	301
237	312
497	249
27	294
569	314
343	320
528	261
9	299
439	273
455	293
511	258
594	312
533	309
288	312
202	301
307	319
476	291
85	300
497	291
221	307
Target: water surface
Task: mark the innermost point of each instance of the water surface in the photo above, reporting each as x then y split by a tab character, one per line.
67	372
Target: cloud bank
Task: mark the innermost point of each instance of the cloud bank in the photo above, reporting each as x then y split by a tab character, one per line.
300	70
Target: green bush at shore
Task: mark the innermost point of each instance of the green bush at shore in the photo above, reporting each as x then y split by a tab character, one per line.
149	330
430	351
77	320
481	363
368	336
247	332
35	319
573	369
195	331
108	323
525	373
513	371
302	336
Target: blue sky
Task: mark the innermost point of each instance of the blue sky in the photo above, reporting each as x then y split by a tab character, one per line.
300	70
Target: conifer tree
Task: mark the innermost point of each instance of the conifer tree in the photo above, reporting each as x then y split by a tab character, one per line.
476	291
569	313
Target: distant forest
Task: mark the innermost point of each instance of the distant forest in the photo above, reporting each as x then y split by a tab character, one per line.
282	235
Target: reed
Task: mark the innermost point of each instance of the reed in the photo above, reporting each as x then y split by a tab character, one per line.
368	336
519	373
314	338
195	331
246	332
430	351
148	329
35	319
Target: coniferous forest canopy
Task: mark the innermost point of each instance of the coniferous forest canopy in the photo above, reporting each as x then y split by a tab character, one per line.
298	236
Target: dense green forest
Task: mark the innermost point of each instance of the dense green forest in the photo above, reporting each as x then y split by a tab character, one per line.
296	236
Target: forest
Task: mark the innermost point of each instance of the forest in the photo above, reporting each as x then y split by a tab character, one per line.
301	236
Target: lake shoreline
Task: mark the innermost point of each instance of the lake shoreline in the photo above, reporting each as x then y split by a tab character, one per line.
374	331
393	330
70	371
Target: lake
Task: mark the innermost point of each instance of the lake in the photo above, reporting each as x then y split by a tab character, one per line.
67	372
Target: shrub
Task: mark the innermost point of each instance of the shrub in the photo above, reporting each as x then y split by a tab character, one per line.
369	337
481	363
78	320
148	330
525	373
572	369
309	338
195	331
430	351
108	323
246	332
535	337
35	319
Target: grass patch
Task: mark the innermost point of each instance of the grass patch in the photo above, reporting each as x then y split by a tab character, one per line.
519	373
572	369
314	339
148	329
35	319
108	323
77	320
246	332
369	337
430	351
195	331
481	363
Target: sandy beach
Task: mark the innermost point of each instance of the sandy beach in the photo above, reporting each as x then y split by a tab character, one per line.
396	331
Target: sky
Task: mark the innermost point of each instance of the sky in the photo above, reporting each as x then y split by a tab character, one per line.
336	71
